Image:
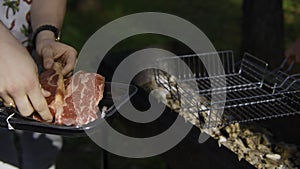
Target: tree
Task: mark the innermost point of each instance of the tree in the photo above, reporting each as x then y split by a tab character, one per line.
263	30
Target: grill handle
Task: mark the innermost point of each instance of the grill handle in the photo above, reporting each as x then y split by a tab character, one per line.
284	67
288	82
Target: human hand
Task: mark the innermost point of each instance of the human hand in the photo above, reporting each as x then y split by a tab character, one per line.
50	51
19	84
293	52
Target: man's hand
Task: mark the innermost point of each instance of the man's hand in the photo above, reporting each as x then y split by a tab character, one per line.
19	84
50	50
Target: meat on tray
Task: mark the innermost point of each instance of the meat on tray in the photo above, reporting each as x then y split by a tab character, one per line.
74	100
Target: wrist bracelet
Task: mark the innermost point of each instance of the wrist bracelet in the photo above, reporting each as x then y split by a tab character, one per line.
43	28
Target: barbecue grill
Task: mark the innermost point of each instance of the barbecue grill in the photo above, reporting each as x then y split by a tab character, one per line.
252	91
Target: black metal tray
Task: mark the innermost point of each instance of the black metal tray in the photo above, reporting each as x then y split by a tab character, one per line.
124	92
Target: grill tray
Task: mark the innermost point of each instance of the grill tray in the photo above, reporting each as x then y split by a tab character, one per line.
252	92
124	92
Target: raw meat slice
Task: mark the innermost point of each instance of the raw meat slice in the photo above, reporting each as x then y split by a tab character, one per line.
73	101
83	93
53	81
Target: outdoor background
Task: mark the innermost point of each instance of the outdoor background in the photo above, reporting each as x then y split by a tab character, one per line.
221	20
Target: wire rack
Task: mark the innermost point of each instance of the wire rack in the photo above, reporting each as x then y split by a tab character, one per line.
248	97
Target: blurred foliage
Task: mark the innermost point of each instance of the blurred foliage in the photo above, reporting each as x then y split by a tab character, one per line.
291	19
220	20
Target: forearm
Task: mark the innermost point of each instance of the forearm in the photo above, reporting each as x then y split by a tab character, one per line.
6	36
6	40
51	12
19	84
47	12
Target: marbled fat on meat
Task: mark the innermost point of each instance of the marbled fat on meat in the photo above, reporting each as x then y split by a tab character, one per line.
81	100
83	91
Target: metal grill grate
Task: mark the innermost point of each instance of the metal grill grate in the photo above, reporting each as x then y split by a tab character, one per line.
248	97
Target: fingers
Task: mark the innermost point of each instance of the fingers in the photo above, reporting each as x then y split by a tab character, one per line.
67	55
70	64
48	59
27	103
45	92
39	103
23	104
7	100
69	74
59	51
